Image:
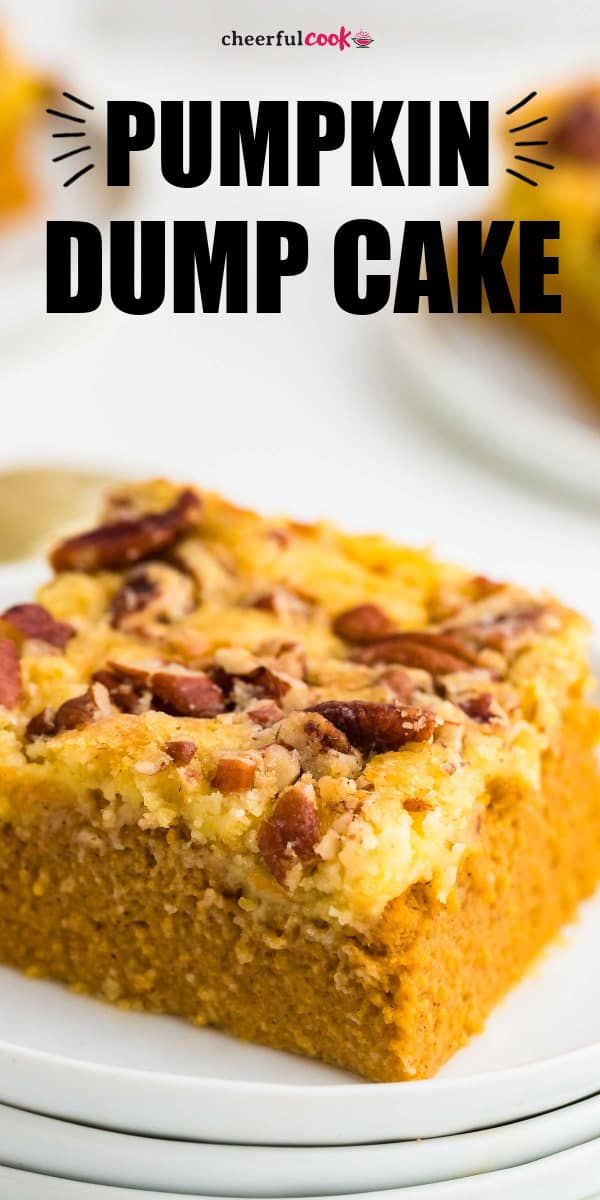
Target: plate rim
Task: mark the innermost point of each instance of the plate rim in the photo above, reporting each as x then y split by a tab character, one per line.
489	1099
474	1186
75	1148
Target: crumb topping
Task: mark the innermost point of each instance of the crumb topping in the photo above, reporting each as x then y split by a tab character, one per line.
324	714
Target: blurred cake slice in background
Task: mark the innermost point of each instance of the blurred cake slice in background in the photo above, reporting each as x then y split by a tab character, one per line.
569	140
22	93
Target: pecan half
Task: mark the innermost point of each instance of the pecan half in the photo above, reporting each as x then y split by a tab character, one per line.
578	133
123	542
181	752
186	693
376	728
234	773
11	689
34	621
291	832
363	624
160	592
434	652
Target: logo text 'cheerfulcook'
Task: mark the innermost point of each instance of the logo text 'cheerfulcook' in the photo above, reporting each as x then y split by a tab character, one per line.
342	38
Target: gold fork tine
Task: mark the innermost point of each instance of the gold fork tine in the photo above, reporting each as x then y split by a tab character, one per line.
38	504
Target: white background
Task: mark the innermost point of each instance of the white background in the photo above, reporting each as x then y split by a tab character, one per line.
304	411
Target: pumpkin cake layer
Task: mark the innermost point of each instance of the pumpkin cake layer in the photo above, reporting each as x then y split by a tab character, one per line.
316	789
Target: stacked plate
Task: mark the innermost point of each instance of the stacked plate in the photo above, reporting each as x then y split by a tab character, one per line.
100	1104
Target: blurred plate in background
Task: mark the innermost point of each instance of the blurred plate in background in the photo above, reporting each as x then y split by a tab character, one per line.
501	396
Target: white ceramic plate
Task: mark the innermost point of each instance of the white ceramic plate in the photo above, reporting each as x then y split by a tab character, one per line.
79	1152
501	394
572	1175
74	1058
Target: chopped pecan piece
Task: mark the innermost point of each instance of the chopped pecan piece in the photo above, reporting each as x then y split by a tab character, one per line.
186	693
173	690
128	689
34	621
123	542
376	728
499	630
281	764
181	751
291	832
290	657
134	674
479	707
11	689
73	714
284	602
160	592
82	710
267	683
578	133
42	725
234	773
133	597
363	624
265	713
322	747
314	730
437	653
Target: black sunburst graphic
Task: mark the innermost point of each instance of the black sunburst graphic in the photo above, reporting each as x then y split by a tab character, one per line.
80	133
516	129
